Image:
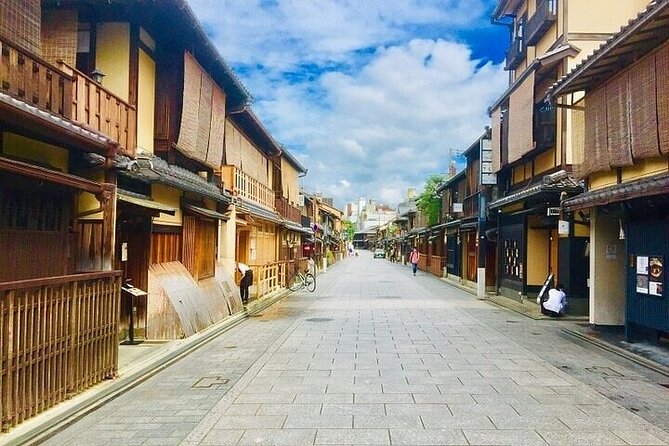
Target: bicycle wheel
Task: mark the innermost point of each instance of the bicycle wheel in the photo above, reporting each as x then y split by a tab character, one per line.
310	282
296	282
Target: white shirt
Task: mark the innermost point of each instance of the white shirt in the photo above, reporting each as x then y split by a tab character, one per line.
557	300
243	268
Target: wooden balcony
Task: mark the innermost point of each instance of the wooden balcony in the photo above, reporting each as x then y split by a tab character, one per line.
67	93
544	17
288	211
516	54
98	109
470	206
243	185
58	338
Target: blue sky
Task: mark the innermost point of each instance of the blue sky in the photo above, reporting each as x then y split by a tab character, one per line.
368	94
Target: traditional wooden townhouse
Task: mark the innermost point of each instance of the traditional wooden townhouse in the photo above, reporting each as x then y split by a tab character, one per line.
59	289
453	192
329	223
288	205
256	173
170	208
620	101
466	246
532	147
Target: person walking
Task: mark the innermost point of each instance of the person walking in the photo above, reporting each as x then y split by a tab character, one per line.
556	303
414	257
245	282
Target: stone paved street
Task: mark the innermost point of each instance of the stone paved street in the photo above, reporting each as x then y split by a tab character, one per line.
379	357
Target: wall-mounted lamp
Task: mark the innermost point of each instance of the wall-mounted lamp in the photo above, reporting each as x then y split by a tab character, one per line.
97	76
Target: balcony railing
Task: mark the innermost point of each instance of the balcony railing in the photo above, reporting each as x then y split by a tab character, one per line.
98	109
516	54
470	206
58	338
541	21
243	185
68	93
32	80
288	211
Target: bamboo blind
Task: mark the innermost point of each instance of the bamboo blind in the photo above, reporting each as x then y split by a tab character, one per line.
59	36
233	145
216	135
204	118
662	67
20	23
618	121
596	152
578	140
58	339
203	115
643	105
521	111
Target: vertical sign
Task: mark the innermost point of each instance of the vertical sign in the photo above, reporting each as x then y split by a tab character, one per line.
488	177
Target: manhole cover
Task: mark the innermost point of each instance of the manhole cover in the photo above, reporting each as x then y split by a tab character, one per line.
388	297
318	319
210	382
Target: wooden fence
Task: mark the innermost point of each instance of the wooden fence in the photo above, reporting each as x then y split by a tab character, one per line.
58	337
437	265
271	277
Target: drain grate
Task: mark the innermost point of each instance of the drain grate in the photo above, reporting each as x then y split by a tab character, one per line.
319	319
210	382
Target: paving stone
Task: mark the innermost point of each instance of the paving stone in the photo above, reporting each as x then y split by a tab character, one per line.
352	437
427	437
278	437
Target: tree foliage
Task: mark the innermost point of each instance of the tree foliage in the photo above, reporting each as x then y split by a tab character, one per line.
428	202
348	228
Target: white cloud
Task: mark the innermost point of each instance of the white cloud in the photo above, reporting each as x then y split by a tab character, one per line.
384	118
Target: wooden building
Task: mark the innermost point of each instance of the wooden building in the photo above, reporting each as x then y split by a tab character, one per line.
532	151
620	98
59	291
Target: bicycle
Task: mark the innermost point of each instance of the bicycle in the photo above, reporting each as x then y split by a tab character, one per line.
302	280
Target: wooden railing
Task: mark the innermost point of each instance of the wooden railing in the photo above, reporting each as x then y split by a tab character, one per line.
271	277
67	92
27	77
288	211
544	17
470	206
243	185
100	110
58	337
437	265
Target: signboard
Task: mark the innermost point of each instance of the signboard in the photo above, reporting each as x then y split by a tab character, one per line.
457	207
487	175
300	200
553	211
563	227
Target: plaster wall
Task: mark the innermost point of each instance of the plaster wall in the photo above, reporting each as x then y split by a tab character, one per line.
607	275
113	57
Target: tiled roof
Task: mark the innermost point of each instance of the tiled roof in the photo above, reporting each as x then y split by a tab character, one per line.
550	183
156	170
656	185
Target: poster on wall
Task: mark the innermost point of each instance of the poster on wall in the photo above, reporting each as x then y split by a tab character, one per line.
642	283
655	275
642	265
